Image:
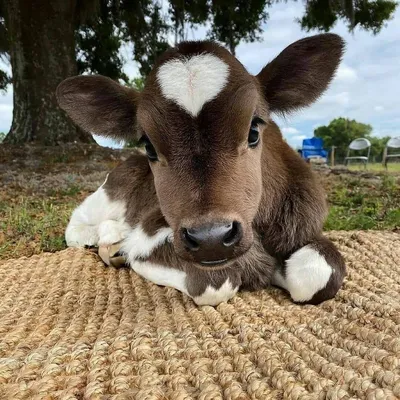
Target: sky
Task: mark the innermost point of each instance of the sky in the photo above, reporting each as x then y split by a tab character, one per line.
366	86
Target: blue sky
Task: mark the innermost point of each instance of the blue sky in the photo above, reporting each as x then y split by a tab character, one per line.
366	87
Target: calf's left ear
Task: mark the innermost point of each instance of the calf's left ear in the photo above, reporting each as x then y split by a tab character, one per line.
99	105
301	72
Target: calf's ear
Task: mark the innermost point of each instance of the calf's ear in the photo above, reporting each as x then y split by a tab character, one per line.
99	105
301	72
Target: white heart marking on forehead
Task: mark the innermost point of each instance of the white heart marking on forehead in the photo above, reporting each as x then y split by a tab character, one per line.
194	81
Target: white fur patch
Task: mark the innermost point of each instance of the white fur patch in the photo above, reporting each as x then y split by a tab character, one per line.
81	235
85	220
161	275
111	232
278	279
140	245
212	296
307	272
193	81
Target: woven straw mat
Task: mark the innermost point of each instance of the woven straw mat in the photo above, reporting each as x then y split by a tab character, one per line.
71	328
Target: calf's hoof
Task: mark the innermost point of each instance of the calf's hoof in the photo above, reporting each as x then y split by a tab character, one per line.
111	255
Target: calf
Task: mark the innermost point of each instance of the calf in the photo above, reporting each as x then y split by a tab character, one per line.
218	200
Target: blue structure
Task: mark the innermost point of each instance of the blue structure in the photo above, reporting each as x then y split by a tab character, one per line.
313	148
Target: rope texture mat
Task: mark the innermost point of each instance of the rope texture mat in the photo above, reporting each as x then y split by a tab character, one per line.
71	328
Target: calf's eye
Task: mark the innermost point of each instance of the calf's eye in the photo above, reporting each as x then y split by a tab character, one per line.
254	133
254	136
150	150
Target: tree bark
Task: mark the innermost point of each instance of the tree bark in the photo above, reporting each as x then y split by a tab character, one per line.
42	52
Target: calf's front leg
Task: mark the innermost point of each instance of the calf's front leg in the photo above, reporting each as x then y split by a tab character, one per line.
97	221
312	274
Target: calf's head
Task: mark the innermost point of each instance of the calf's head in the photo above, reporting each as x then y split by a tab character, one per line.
203	119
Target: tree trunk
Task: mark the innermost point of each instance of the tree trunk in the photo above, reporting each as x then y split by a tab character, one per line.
42	50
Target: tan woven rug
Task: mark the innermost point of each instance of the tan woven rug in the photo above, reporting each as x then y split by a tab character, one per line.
72	329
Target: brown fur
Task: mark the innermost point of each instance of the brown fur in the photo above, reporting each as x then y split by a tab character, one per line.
300	62
100	105
132	182
206	172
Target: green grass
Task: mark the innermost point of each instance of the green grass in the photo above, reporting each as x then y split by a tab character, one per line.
72	190
359	204
34	225
376	167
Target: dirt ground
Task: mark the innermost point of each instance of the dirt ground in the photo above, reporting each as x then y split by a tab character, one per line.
39	188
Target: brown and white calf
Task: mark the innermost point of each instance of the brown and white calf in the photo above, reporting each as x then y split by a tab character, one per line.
218	201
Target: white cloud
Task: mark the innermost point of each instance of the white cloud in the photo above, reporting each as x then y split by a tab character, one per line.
6	108
106	142
131	68
289	13
346	74
289	130
388	132
379	108
341	99
5	66
296	141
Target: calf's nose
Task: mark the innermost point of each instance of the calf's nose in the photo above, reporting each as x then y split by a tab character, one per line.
212	244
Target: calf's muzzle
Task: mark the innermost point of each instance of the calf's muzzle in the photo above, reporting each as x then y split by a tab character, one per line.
213	243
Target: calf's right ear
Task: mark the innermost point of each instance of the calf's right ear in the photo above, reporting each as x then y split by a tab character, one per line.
99	105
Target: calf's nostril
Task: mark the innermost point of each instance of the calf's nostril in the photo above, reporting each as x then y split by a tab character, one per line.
234	234
189	240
